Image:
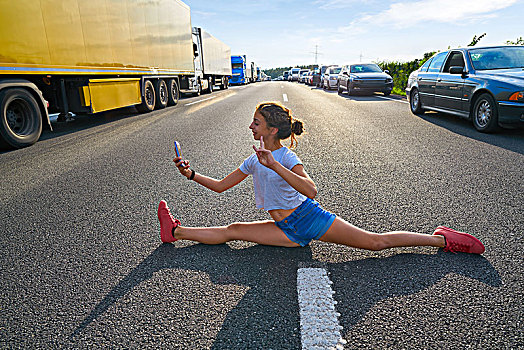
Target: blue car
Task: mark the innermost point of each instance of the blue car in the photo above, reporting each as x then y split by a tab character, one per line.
483	84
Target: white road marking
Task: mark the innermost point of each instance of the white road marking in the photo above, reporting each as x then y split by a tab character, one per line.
319	324
392	99
205	99
284	96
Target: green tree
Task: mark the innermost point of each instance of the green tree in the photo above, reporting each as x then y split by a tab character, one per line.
519	41
400	71
476	40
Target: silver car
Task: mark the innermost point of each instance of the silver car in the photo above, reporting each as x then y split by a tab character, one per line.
330	79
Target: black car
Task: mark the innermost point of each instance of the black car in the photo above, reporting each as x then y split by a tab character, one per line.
484	84
364	77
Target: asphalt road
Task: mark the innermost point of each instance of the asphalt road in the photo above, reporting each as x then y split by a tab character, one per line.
83	267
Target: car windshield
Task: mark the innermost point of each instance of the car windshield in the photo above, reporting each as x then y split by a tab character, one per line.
365	68
295	71
335	70
497	58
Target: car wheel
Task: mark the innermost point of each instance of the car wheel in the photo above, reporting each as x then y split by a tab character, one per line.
338	88
348	88
387	93
414	102
485	114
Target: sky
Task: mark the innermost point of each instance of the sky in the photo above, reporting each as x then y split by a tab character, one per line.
282	33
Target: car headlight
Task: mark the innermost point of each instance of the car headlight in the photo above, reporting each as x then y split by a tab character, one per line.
389	80
517	96
333	78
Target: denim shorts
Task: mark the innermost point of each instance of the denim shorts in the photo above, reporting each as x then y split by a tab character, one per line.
309	221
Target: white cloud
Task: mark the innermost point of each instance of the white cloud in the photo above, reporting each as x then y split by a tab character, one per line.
204	14
409	14
336	4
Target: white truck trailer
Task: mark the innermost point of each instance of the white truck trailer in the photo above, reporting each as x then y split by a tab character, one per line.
212	61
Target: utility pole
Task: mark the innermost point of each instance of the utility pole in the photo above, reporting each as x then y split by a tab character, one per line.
316	54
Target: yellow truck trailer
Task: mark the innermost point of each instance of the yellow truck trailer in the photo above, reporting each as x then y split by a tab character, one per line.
63	56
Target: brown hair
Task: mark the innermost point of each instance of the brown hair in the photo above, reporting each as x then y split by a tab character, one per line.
280	117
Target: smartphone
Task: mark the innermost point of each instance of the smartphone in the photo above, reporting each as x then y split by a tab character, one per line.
178	152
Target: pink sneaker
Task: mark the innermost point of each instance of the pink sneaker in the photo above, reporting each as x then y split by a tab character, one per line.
168	223
459	241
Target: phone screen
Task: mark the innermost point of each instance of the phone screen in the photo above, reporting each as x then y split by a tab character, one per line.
177	150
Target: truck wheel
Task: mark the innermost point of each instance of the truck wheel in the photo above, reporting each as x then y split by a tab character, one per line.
162	94
210	85
199	88
223	83
148	100
174	93
20	118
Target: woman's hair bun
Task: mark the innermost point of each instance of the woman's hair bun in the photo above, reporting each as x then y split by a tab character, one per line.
297	127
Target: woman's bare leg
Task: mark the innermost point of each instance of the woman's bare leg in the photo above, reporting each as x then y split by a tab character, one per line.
342	232
261	232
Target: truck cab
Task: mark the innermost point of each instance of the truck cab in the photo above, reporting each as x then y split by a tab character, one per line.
212	61
238	66
197	83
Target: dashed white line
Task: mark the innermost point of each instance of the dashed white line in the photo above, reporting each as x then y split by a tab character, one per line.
284	96
319	324
205	99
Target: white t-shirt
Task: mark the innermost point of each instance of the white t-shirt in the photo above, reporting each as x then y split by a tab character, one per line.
271	190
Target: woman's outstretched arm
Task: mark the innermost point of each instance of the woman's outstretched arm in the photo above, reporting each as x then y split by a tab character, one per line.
219	186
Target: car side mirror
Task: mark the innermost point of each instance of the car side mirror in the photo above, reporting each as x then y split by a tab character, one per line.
345	73
386	71
456	70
